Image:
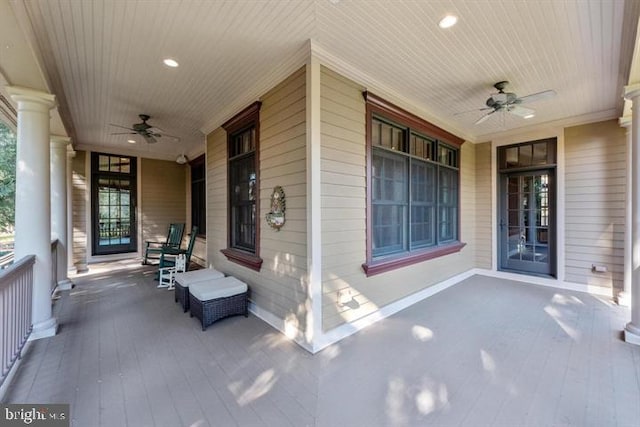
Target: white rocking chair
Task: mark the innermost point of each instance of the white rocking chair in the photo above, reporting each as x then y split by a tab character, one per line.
168	274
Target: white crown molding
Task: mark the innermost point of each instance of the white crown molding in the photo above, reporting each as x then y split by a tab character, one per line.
561	123
268	82
625	121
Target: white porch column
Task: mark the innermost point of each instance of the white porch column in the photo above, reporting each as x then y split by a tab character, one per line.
59	206
70	156
33	203
624	297
632	330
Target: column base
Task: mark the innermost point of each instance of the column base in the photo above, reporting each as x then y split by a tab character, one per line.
65	285
82	267
632	334
624	299
45	329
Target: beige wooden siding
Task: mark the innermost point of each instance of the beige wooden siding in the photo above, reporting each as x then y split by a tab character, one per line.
483	202
595	157
343	210
163	198
280	286
80	196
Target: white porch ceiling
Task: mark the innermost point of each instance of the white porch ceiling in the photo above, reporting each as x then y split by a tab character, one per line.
103	59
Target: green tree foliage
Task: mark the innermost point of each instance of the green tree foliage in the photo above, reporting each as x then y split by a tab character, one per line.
7	177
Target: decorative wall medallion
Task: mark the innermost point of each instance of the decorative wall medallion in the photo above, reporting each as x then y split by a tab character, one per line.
275	218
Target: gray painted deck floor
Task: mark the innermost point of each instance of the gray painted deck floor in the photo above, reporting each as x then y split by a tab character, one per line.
486	352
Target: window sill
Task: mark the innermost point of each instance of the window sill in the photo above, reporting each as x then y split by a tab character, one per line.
388	264
245	259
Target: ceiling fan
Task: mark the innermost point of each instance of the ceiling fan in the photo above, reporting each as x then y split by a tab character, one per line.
145	130
510	102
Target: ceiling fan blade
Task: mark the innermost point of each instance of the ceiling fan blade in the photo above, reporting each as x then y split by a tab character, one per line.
485	117
158	132
472	111
149	138
520	111
123	127
536	96
124	133
166	135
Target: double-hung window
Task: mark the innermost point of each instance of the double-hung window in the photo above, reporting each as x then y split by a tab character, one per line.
413	189
243	137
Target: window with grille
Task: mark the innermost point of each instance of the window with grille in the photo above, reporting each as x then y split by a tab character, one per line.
413	188
243	142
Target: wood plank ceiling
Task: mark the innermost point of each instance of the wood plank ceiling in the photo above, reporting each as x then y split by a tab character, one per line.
106	59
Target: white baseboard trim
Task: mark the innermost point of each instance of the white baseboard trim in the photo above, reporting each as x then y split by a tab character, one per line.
279	324
65	285
334	335
543	281
9	378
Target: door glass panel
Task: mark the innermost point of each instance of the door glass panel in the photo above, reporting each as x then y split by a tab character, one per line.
539	153
113	216
525	156
125	165
525	223
511	155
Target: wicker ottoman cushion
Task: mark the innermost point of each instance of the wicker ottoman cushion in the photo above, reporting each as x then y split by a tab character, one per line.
216	299
185	279
218	288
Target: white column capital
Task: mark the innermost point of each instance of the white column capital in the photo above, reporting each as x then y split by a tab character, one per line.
58	141
71	153
625	122
23	95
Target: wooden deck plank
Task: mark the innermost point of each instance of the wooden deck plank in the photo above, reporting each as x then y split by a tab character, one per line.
484	352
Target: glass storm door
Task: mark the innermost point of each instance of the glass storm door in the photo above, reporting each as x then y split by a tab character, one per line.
526	226
113	204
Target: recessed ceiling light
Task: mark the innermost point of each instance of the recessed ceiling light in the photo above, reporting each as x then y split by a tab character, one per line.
131	141
529	116
170	62
448	21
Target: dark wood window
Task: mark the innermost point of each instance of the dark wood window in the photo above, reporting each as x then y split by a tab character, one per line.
198	195
413	187
243	137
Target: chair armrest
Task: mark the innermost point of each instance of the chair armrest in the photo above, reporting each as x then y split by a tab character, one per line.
173	251
149	243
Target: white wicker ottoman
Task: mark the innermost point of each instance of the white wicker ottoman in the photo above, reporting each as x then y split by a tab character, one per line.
216	299
184	280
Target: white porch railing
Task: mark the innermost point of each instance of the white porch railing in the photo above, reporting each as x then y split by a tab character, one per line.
16	288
